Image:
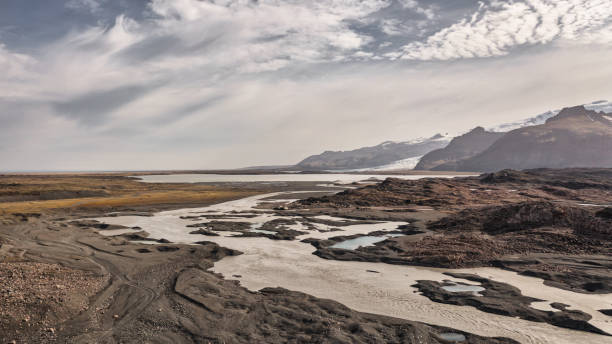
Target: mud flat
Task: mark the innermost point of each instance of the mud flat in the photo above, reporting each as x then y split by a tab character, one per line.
372	287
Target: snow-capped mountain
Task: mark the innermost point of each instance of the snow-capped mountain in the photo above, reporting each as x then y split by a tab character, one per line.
460	148
387	155
485	149
599	106
575	137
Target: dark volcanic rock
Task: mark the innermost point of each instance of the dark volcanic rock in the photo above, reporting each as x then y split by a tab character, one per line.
163	248
570	178
504	299
223	226
96	224
204	231
525	215
576	273
279	234
290	317
605	213
508	186
390	192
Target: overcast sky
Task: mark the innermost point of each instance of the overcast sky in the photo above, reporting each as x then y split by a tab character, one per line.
202	84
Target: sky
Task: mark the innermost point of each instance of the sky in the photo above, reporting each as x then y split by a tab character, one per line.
205	84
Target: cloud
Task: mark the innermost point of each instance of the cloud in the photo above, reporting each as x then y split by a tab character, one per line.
499	26
92	6
428	12
94	107
266	35
219	83
14	65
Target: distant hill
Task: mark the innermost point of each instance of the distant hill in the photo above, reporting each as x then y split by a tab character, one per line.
575	137
386	153
460	148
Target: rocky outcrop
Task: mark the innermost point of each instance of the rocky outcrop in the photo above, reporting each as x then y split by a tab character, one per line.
524	216
504	299
569	178
222	311
460	148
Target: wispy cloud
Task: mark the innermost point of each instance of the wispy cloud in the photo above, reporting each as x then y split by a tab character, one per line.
499	26
92	6
230	83
14	65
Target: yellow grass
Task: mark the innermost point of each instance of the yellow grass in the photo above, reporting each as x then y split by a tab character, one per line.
25	194
170	197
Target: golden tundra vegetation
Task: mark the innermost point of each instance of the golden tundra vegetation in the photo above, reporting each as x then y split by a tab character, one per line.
34	193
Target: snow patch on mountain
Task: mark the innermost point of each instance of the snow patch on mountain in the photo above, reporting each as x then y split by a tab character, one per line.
537	120
436	138
600	106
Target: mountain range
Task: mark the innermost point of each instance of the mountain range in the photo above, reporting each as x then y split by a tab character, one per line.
374	157
459	148
575	137
579	136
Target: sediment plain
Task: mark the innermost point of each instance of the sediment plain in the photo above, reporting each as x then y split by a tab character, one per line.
117	260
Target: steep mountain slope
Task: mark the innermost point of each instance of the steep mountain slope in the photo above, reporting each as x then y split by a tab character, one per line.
600	105
575	137
460	148
369	157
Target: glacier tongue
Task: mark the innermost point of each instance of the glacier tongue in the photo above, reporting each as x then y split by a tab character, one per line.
404	164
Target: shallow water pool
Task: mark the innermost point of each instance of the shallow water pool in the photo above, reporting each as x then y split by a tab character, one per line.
453	337
367	240
462	288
